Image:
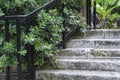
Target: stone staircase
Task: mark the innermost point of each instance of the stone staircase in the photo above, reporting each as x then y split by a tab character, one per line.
90	56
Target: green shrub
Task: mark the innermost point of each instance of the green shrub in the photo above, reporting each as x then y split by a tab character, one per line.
43	36
46	35
12	7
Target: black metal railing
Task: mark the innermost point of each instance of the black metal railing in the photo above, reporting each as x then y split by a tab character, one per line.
91	14
27	21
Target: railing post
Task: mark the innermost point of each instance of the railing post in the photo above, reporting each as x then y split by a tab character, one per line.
19	65
32	67
28	49
94	13
30	54
63	39
8	77
64	32
88	12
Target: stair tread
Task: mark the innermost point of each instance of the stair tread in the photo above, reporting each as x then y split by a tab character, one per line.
95	39
94	55
93	43
81	72
104	30
77	57
113	49
90	52
90	60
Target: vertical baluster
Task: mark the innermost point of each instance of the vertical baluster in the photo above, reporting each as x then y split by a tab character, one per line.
30	55
28	48
7	40
19	66
88	12
63	33
32	68
63	39
94	21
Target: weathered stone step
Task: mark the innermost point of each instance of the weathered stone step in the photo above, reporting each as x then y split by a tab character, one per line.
77	57
89	52
77	75
90	64
94	43
99	34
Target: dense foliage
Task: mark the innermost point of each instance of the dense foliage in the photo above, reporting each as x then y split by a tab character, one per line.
44	35
11	7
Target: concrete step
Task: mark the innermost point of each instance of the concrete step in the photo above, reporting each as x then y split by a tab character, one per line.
77	75
94	43
77	57
89	52
89	64
99	34
94	55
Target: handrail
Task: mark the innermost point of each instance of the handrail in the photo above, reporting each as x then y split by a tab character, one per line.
30	49
45	6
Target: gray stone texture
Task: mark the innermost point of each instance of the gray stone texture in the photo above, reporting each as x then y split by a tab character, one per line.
99	34
90	64
94	55
94	43
89	52
77	75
